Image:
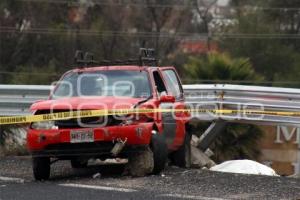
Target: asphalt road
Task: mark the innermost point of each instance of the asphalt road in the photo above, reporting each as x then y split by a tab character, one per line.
16	182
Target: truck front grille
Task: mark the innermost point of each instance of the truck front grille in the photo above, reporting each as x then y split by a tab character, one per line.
87	122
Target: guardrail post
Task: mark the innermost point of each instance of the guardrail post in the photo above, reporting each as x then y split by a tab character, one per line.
211	134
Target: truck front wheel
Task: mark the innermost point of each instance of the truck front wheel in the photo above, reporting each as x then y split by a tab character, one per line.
41	168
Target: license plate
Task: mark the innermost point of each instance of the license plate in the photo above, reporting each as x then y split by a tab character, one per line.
79	136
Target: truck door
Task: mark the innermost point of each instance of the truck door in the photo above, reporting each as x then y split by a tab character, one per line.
174	88
169	123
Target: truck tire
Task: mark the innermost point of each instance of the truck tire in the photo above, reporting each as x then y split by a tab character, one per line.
77	163
41	168
140	162
160	152
182	157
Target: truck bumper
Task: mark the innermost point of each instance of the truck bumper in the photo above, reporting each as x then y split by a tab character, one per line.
58	142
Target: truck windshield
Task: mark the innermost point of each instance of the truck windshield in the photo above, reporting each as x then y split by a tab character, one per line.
104	83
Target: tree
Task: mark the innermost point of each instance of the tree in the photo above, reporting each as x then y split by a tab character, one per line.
27	38
236	141
204	17
160	21
37	36
263	31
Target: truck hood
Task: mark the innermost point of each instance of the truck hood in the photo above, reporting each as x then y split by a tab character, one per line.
86	103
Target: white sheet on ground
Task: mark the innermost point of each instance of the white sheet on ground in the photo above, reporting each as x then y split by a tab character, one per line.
244	167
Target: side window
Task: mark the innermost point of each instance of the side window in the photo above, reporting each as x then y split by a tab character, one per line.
160	86
172	82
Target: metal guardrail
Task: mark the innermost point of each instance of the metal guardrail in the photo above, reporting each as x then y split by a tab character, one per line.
238	97
16	100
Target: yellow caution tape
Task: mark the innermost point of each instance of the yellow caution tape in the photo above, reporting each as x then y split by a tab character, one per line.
75	114
95	113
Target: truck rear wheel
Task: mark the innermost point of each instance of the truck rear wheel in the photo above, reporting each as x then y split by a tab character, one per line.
160	152
41	168
182	157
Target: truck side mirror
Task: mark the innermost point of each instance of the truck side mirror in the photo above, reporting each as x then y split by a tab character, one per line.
167	99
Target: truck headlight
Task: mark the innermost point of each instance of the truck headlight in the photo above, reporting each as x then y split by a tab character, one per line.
46	125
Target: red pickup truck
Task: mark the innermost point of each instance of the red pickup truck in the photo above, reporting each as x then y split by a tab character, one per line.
119	85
